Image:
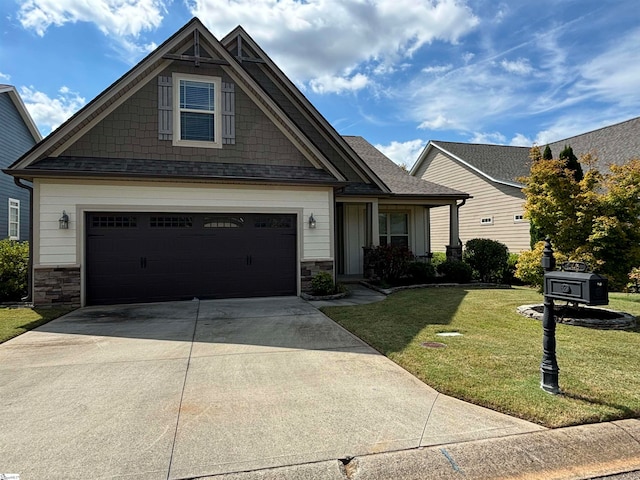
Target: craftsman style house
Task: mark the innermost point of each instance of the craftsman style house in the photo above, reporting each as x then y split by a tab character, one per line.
492	173
204	172
18	134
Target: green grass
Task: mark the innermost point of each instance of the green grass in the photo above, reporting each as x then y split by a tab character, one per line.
495	363
16	321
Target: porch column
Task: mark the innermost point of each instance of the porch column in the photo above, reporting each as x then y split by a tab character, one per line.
454	249
372	227
427	230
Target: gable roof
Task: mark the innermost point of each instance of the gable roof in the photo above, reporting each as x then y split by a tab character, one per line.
398	180
265	71
613	144
505	164
497	163
11	91
115	95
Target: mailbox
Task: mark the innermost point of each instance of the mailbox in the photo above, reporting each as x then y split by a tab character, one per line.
580	287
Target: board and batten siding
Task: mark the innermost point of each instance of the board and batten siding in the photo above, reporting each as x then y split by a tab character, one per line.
66	247
354	232
490	200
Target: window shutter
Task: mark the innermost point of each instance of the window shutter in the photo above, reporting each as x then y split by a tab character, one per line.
165	108
228	114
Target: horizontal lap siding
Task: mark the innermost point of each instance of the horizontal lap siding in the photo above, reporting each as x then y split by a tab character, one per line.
490	199
60	247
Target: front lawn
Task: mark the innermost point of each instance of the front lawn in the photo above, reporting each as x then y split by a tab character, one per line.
496	361
15	321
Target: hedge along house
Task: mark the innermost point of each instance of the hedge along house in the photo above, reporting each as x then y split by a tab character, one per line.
204	172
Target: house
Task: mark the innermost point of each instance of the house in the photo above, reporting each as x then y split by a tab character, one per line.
491	173
204	172
18	134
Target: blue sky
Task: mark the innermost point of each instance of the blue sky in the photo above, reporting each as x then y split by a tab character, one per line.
397	72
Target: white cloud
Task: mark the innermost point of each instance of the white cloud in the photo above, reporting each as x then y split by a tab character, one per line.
614	75
122	20
330	84
520	140
437	69
494	137
519	67
48	113
5	76
403	153
314	39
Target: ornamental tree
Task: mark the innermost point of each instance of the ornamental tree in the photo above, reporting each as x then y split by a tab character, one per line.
592	217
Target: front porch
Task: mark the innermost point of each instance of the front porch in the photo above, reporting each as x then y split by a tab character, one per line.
369	222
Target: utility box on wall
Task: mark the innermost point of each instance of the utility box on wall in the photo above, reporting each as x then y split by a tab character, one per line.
580	287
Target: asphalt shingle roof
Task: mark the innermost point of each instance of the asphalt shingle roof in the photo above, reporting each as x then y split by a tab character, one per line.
398	181
190	169
500	162
613	144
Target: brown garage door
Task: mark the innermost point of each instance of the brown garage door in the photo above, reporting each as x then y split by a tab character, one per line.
148	257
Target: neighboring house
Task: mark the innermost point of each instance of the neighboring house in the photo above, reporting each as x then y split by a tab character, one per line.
204	172
491	173
18	134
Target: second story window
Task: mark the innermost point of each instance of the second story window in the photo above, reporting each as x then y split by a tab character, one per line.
197	116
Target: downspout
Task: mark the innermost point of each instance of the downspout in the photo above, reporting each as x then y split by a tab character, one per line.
464	200
29	297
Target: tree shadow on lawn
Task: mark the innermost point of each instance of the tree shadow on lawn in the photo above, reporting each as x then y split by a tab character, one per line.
391	325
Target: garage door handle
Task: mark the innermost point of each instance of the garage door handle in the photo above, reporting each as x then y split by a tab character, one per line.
143	262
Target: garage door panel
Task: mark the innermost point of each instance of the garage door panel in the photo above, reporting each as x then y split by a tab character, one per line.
150	257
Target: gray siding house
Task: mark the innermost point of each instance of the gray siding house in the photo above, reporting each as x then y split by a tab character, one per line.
491	173
18	134
204	172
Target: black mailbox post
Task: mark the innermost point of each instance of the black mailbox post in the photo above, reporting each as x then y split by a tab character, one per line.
573	284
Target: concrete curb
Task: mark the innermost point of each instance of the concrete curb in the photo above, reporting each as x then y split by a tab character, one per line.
581	452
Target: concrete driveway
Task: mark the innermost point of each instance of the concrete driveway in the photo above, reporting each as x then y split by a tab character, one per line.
185	389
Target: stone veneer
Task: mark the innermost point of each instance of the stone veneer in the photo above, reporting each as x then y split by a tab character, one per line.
309	268
53	286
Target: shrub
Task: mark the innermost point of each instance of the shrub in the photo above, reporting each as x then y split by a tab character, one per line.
455	271
489	259
508	276
322	284
14	266
438	258
529	268
390	262
421	272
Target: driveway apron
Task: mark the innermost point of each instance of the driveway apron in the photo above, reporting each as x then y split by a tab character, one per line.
184	389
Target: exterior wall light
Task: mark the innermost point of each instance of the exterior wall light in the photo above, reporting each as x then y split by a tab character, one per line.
63	223
312	222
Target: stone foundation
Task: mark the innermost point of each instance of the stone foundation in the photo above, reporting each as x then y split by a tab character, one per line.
54	286
309	269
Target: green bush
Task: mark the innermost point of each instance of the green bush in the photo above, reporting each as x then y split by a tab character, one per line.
508	276
14	266
421	272
322	284
390	262
529	267
488	259
455	271
438	258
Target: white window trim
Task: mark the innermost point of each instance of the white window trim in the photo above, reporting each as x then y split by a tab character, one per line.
486	221
518	220
13	204
389	234
217	113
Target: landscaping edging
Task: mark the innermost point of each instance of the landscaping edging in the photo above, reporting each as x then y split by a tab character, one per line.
622	322
389	291
335	296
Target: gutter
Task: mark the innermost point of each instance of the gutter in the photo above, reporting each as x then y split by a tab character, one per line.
29	297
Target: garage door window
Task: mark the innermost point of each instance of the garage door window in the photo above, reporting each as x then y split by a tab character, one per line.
275	222
113	221
223	222
171	222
